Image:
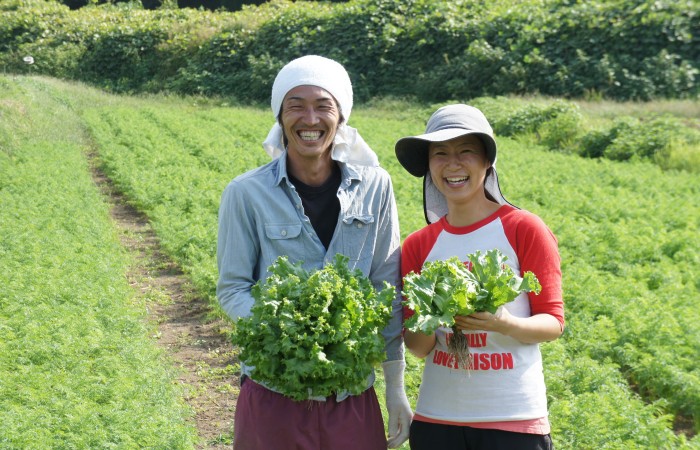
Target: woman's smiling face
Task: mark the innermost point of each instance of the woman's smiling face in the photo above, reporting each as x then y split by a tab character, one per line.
310	117
458	167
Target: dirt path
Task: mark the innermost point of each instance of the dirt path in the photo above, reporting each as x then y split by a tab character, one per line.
182	323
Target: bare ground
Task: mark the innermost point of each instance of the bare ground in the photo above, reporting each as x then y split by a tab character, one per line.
183	324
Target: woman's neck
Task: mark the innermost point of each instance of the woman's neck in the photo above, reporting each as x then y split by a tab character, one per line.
462	215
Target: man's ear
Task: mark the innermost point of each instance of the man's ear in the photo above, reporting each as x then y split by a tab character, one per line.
285	141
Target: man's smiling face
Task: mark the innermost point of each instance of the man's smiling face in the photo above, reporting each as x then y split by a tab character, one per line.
310	117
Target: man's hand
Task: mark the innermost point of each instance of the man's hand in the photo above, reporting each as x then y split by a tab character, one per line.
400	414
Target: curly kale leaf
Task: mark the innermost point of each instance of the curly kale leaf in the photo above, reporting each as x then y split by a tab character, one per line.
498	284
447	288
314	333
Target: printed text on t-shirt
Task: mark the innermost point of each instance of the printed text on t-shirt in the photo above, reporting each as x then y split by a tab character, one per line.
478	361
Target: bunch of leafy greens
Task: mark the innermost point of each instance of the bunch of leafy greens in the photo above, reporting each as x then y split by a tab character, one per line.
447	288
315	333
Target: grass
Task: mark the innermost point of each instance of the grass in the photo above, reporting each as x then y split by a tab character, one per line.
685	109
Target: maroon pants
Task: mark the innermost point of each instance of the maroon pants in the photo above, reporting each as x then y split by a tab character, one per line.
266	420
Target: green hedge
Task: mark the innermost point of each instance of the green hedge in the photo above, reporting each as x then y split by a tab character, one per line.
429	50
560	126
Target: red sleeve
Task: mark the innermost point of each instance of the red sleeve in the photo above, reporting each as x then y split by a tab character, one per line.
538	252
415	250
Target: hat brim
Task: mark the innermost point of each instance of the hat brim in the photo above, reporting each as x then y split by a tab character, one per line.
412	152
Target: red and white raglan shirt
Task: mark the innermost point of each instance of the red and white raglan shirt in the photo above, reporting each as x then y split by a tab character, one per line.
504	386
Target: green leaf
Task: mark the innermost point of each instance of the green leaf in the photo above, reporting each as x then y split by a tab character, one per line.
315	333
447	288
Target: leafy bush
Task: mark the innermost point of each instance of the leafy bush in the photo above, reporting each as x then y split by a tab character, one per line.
562	131
532	117
430	50
559	125
631	138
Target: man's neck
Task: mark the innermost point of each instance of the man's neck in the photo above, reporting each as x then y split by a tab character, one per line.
312	172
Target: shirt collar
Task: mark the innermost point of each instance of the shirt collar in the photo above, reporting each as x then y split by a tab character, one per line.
348	172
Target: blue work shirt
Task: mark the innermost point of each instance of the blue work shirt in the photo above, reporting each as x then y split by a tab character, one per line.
261	217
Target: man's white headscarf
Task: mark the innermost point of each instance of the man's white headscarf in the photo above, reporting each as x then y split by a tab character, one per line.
312	70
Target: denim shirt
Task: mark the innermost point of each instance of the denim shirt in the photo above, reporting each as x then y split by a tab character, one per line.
261	217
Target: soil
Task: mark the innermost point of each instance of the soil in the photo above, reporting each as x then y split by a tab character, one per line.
183	324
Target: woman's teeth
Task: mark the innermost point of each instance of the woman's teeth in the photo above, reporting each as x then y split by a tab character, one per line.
454	180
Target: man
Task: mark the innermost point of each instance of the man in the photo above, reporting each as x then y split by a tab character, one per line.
324	193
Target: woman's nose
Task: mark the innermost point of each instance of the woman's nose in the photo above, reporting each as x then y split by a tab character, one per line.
453	159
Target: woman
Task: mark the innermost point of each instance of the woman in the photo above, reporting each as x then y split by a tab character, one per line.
499	401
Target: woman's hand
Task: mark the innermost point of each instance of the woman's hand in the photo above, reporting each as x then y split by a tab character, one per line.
528	330
499	322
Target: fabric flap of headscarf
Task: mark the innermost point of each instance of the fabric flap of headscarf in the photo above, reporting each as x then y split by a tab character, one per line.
434	203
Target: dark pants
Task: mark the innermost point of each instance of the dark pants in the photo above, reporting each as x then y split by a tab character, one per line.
266	420
431	436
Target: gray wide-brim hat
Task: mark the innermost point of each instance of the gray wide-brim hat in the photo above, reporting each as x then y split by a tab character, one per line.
448	122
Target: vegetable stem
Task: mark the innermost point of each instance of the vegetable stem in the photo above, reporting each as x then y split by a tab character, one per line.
459	347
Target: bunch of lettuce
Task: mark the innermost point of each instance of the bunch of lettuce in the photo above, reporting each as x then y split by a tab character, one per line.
314	333
447	288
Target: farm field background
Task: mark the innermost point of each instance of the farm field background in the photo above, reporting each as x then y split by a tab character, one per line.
78	368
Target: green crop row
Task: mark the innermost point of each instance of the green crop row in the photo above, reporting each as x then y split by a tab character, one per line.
628	264
425	49
78	368
624	374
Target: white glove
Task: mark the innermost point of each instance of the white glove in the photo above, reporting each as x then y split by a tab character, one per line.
400	414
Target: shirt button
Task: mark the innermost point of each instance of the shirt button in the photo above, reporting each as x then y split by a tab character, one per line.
284	232
359	225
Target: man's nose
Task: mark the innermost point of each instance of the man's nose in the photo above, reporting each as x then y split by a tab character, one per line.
310	116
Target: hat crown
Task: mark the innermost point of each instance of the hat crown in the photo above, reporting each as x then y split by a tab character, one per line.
459	116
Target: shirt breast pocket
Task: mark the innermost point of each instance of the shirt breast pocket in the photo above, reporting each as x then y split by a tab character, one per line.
283	239
358	237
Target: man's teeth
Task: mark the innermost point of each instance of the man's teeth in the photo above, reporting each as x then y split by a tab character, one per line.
456	180
310	135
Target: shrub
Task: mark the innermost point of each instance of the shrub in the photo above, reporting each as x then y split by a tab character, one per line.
633	138
425	49
531	117
594	143
561	131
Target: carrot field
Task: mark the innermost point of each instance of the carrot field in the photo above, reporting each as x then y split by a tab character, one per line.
79	367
